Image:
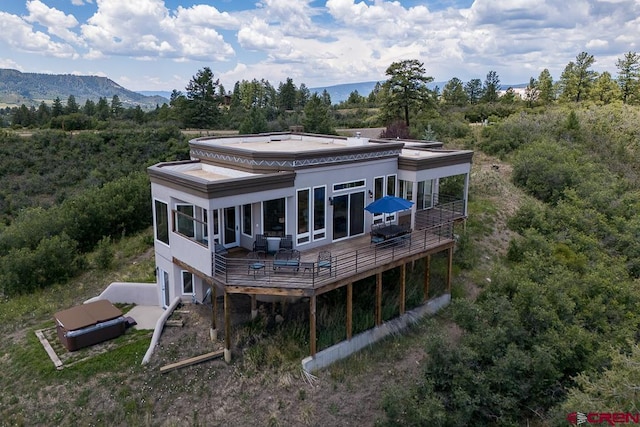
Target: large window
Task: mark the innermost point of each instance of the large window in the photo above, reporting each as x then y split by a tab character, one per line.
162	222
319	213
247	222
274	218
192	222
184	220
303	235
391	185
425	194
406	190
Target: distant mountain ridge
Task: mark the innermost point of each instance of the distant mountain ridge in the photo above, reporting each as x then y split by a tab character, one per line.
17	88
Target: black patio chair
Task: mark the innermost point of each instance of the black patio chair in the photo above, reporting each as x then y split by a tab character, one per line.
260	244
286	242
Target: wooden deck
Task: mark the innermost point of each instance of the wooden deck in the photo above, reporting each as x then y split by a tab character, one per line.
351	260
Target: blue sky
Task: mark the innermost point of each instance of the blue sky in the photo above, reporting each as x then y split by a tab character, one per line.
161	44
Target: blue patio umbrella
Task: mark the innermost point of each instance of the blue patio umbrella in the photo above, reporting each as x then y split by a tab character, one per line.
388	204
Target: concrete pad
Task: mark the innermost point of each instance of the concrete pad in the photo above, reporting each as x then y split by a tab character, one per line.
146	316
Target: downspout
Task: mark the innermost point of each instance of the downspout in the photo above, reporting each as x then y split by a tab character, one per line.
158	330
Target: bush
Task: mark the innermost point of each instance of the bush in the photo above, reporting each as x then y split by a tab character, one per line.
24	270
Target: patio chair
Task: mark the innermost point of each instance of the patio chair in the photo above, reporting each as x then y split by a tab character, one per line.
255	262
286	242
260	244
324	261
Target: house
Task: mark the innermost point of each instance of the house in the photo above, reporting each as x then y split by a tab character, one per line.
311	189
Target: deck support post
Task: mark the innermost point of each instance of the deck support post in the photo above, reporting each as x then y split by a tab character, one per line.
449	269
378	299
254	307
227	327
312	325
427	276
213	331
403	287
349	325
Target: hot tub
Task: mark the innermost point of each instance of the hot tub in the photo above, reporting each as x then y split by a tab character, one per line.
89	324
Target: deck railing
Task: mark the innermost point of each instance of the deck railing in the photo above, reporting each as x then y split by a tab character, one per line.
309	275
445	209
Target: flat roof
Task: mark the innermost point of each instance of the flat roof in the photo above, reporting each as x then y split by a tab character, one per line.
210	173
288	143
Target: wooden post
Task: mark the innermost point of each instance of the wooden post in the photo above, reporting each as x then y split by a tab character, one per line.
254	307
227	327
312	325
378	299
349	310
449	270
213	332
427	276
403	287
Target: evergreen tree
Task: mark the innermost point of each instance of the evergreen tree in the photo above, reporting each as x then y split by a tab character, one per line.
72	105
453	93
202	99
57	109
89	108
43	115
473	88
302	96
605	89
577	78
116	107
629	77
491	88
287	95
546	89
406	89
103	111
317	116
254	122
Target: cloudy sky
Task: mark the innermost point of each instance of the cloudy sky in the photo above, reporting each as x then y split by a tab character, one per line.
161	44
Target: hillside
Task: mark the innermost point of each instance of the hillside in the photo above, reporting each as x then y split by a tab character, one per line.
18	88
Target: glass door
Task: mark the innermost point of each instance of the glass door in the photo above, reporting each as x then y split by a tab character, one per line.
230	227
348	215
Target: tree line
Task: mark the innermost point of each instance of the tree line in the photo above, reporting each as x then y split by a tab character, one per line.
403	103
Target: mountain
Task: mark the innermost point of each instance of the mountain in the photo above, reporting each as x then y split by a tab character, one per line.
341	92
18	88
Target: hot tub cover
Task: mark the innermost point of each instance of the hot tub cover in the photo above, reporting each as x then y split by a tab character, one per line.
85	315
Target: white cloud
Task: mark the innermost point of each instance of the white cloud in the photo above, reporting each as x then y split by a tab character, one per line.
18	34
56	21
144	28
10	63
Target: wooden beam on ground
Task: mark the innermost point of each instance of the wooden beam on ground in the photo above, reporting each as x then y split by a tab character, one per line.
378	299
349	310
403	287
50	351
192	361
427	276
312	325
